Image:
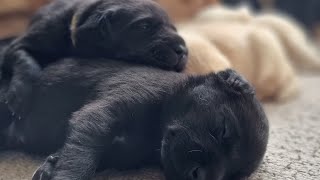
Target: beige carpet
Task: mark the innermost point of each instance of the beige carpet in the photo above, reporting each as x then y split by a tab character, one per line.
293	153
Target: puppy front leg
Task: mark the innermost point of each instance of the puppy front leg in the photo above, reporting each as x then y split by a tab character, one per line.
44	38
73	162
25	71
89	137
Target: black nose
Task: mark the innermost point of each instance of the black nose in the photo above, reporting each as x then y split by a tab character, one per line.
181	50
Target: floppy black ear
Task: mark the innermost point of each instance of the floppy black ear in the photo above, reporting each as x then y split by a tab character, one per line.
89	25
229	132
235	82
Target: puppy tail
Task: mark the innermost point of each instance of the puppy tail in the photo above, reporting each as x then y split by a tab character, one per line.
301	50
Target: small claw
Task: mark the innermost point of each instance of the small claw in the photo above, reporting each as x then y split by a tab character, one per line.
52	159
12	114
44	172
36	175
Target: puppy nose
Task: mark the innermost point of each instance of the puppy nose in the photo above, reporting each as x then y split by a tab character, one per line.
181	50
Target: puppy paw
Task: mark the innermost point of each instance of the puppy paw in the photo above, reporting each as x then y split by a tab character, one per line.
236	82
17	97
45	171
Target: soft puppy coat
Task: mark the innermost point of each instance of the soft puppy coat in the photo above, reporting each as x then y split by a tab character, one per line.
264	48
267	68
122	30
117	115
301	51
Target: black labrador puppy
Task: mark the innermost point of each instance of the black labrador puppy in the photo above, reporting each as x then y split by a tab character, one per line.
129	30
114	114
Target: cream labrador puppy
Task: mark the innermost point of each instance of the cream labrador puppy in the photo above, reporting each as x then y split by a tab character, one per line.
267	69
262	48
300	49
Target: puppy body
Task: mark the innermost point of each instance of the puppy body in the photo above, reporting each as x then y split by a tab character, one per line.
118	115
298	47
122	30
204	56
254	52
264	49
221	13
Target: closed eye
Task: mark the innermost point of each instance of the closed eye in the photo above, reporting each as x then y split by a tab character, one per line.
146	24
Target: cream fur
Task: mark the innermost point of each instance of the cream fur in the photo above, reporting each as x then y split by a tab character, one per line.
261	66
262	48
300	49
204	57
302	52
224	13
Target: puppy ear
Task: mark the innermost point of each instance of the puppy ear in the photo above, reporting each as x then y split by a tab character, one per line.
235	82
229	132
89	24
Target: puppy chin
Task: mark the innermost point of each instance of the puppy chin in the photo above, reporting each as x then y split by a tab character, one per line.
172	62
182	62
179	63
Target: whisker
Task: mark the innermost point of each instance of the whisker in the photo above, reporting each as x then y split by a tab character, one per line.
192	151
214	138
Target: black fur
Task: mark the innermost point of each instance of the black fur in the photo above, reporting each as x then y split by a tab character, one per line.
128	30
116	115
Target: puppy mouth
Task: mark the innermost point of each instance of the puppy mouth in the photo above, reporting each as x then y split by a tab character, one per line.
181	62
175	62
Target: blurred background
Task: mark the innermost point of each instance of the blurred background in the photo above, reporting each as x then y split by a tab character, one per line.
306	12
14	14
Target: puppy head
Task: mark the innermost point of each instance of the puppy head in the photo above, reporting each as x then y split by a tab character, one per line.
218	130
132	30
